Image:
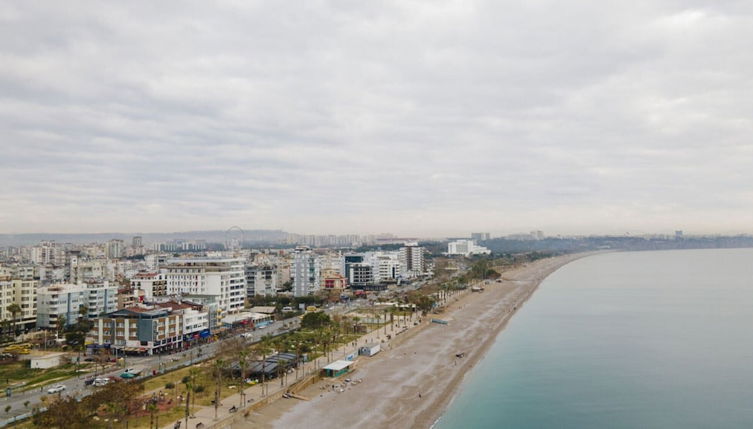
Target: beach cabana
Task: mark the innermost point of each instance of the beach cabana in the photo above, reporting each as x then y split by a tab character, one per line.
337	368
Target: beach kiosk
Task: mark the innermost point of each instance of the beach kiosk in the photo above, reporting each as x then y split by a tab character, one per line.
337	368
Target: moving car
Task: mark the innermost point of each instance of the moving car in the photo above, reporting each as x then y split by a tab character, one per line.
56	389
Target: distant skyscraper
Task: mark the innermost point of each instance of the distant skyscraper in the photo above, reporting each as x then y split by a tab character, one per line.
480	236
136	242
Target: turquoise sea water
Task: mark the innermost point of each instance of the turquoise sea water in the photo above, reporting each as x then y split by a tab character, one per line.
623	340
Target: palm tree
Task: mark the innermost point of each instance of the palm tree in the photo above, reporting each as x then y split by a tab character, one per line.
219	365
243	363
14	309
191	386
152	407
263	348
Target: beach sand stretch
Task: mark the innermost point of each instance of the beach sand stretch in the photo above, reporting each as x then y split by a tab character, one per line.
410	383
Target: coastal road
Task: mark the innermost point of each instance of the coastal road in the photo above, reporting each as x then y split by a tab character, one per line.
75	386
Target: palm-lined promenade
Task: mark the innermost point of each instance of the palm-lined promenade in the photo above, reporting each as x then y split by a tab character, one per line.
410	384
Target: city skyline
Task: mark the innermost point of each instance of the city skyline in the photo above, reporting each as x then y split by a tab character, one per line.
428	120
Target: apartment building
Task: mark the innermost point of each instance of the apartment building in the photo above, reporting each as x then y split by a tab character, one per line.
19	286
412	262
66	300
151	329
224	278
153	284
261	280
305	272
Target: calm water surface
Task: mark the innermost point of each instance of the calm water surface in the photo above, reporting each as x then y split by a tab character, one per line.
623	340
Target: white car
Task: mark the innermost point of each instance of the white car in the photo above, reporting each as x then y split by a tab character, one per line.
101	382
56	389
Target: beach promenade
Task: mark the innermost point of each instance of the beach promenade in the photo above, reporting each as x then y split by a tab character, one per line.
234	408
412	381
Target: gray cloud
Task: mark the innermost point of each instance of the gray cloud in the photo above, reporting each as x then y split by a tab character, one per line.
411	117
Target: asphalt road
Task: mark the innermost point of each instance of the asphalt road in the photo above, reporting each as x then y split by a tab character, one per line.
76	387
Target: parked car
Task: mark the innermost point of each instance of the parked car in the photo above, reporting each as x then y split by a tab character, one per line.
56	389
99	382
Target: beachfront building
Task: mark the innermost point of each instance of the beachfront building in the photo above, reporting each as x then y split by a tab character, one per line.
466	248
139	330
224	278
305	272
337	368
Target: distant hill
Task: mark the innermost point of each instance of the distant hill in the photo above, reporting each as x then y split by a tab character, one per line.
217	236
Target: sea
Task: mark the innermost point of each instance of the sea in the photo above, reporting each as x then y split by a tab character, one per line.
659	339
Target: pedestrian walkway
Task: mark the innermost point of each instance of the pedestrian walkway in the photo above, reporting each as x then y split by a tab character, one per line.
205	415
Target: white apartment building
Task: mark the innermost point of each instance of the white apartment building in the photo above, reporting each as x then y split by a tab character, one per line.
67	299
466	248
224	278
412	262
153	284
261	280
83	271
385	266
17	288
305	272
48	253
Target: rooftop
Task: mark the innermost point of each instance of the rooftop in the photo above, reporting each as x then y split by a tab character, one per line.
338	365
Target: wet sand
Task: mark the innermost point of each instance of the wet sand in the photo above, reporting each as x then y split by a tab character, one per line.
410	383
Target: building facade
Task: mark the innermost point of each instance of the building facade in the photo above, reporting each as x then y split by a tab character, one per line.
224	278
305	272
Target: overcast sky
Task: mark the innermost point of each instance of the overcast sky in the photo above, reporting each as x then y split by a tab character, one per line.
417	118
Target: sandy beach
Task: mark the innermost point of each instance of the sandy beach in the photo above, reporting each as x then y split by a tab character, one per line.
411	382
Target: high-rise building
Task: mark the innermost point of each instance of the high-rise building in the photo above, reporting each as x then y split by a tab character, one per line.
115	249
136	242
305	272
412	263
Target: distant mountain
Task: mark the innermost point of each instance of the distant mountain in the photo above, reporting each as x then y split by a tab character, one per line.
216	236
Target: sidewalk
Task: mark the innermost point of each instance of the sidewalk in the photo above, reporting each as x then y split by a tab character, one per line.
205	414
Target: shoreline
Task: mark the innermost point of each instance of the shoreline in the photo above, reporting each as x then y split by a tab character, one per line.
403	385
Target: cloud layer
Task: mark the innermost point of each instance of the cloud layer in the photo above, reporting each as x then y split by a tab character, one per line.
424	118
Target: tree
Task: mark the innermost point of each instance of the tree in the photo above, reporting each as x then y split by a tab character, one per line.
219	366
152	407
263	348
14	309
65	413
83	311
315	320
243	363
60	325
191	387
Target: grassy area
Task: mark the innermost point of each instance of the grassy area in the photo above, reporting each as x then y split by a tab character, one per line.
164	417
16	372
